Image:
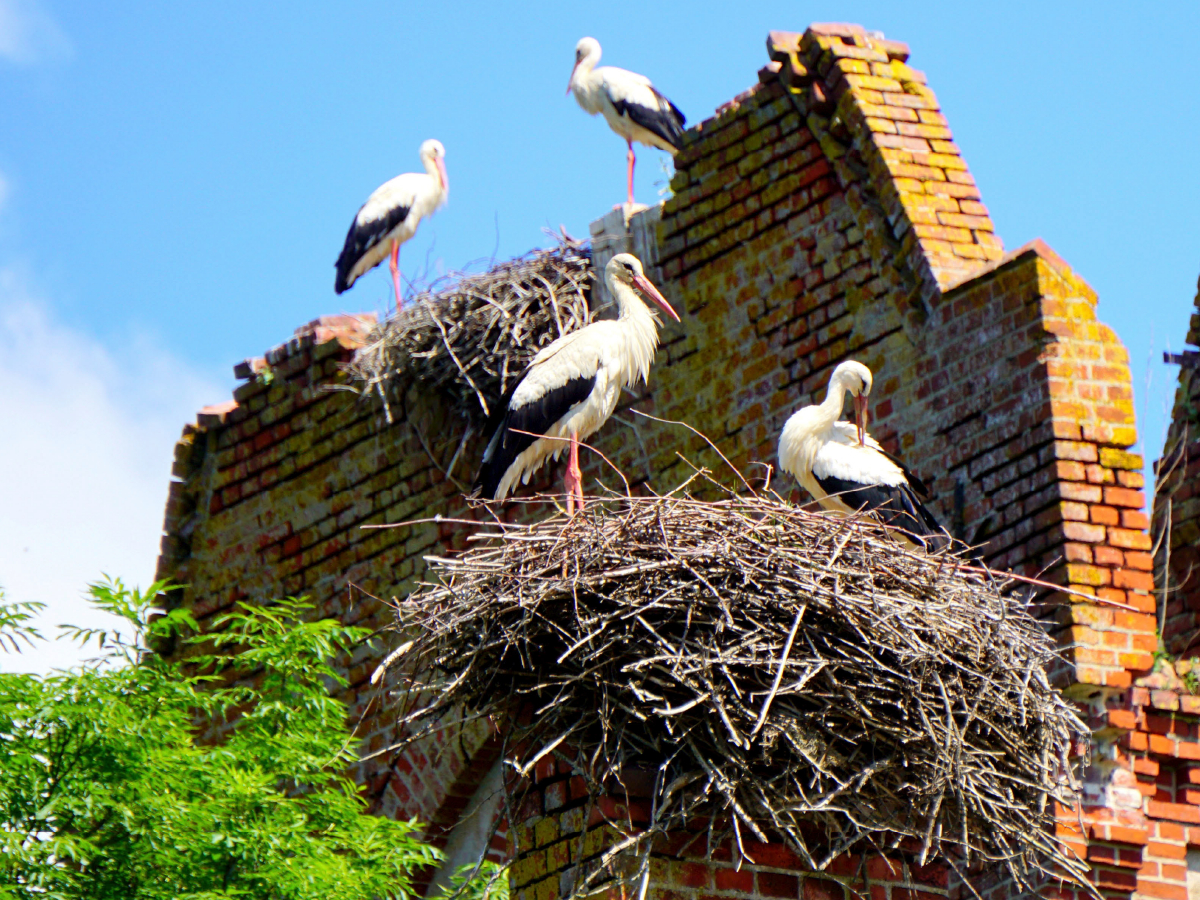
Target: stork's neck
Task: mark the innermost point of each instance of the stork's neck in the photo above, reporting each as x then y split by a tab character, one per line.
583	69
830	409
639	327
434	172
586	84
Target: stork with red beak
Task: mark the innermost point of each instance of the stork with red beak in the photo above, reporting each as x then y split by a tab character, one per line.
572	386
846	470
390	217
631	105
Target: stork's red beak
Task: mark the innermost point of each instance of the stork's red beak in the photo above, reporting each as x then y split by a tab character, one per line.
860	418
642	283
571	80
441	167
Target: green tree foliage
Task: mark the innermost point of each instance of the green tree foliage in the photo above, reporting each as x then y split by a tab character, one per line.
114	784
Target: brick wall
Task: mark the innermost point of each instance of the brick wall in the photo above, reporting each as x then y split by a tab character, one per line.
562	834
1177	506
825	213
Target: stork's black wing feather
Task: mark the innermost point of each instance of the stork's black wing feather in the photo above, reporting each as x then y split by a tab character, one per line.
361	238
896	505
920	488
664	120
535	417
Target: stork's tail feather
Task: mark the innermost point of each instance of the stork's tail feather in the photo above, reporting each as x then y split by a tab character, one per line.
918	521
488	482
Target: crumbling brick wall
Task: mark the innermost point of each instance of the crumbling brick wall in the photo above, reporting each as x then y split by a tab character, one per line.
561	826
1177	506
824	214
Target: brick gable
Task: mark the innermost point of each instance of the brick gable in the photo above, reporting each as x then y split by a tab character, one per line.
824	214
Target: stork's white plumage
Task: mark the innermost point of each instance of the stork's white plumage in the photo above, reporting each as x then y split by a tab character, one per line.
628	101
571	387
845	469
390	217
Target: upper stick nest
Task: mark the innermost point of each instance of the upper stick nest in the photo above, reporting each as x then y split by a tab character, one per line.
472	339
763	666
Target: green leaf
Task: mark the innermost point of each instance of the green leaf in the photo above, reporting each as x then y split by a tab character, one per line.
113	786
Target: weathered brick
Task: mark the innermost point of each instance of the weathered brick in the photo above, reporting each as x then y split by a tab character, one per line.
999	380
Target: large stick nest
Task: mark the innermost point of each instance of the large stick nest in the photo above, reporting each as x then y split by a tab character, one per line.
472	339
762	666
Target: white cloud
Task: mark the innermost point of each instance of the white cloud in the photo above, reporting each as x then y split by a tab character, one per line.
29	35
86	442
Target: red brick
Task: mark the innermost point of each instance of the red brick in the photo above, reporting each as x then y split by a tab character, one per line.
1073	552
1176	812
1134	518
733	880
1084	493
1079	531
1136	560
1166	851
1122	718
694	875
1074	450
1162	890
883	869
1133	540
1133	580
1115	878
1119	496
774	884
823	889
1171	831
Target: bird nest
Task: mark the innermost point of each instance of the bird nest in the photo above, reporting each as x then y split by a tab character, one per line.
474	338
774	672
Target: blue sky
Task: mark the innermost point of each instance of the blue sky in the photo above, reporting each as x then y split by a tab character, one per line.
176	181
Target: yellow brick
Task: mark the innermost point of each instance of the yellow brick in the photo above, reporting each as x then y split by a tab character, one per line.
1112	458
970	251
546	831
874	82
854	66
946	161
1092	575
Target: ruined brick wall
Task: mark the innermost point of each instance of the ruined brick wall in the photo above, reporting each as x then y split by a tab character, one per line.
824	214
1177	506
560	829
269	497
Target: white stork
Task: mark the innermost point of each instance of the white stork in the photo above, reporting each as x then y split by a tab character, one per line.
845	469
390	217
630	104
571	387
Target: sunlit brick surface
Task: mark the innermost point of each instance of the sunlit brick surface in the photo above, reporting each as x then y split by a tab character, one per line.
824	214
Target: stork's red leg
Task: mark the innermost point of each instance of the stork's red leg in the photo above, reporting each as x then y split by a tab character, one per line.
394	265
630	158
573	481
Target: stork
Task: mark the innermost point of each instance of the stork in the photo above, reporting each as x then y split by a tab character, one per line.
630	104
390	217
845	469
571	387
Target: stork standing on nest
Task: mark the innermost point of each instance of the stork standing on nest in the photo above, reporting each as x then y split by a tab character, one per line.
571	387
390	217
846	470
629	102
